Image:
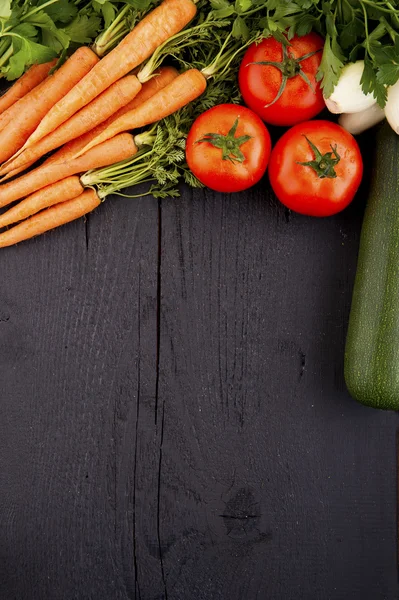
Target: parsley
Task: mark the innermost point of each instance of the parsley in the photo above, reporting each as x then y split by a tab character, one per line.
353	29
36	31
83	28
330	68
361	29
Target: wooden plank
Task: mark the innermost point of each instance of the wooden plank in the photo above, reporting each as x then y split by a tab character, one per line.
78	329
175	424
274	483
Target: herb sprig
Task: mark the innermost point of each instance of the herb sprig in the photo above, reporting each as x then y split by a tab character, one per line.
36	31
159	162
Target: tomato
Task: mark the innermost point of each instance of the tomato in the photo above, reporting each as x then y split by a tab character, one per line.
315	168
286	70
228	148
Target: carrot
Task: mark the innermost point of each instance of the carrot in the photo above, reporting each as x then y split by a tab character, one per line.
167	19
178	93
106	104
53	217
18	107
115	150
63	190
42	98
29	80
163	77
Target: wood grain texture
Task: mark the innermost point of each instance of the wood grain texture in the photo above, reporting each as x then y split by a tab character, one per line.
175	424
292	495
77	355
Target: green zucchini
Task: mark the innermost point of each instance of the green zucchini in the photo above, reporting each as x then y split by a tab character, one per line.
372	343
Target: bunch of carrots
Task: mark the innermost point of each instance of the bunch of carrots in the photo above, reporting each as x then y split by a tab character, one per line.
85	112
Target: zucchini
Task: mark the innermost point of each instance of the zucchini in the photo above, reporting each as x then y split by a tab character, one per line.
371	365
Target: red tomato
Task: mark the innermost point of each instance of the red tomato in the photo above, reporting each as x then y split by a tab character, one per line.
315	168
228	148
261	84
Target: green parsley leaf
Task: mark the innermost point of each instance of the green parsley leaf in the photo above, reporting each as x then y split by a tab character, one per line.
303	26
220	4
240	29
347	12
241	6
222	13
62	11
83	28
26	53
351	32
25	30
388	74
330	68
58	38
284	9
330	26
385	55
16	14
375	12
52	41
370	83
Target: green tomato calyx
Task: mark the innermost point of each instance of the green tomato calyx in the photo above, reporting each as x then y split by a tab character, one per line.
323	164
289	67
228	144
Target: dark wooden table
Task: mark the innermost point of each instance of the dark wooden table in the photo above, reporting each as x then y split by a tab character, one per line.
174	419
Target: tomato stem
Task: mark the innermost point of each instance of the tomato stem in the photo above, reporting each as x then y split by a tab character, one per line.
323	164
229	144
289	67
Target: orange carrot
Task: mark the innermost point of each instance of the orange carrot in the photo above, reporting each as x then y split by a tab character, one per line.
178	93
42	98
29	80
159	25
53	217
164	76
106	104
18	108
14	172
63	190
10	112
115	150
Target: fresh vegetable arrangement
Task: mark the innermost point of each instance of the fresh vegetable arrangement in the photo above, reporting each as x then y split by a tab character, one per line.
185	90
